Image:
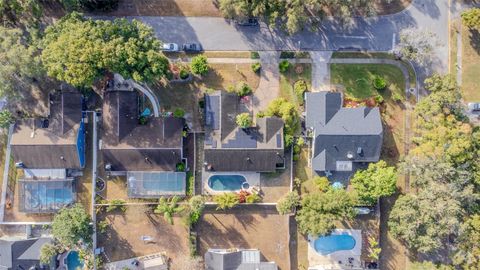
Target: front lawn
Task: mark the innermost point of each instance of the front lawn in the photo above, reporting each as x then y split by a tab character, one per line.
470	64
358	78
295	73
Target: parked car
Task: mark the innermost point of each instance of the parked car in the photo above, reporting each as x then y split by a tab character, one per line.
362	210
170	47
192	47
474	106
247	22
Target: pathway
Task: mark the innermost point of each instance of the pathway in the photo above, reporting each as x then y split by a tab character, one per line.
5	174
269	86
320	70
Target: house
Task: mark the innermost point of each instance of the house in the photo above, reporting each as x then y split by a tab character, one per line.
229	148
51	152
22	254
236	259
147	152
344	139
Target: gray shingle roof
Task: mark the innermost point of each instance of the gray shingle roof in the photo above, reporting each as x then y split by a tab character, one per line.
21	254
342	134
236	260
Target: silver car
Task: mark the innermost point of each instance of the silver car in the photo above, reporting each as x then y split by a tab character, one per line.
170	47
473	106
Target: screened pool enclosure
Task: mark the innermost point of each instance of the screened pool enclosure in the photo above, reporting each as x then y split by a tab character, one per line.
45	196
155	184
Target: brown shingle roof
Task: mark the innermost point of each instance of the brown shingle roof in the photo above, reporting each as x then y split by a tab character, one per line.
251	160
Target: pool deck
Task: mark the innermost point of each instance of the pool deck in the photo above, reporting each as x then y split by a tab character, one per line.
332	260
253	179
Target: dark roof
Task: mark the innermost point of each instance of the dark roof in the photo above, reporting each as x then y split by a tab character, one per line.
342	134
251	160
236	260
129	146
21	254
41	143
224	139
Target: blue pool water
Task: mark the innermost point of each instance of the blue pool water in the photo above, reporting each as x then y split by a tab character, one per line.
226	182
73	261
43	197
335	242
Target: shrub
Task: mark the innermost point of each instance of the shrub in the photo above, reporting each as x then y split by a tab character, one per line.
287	54
296	149
192	244
379	99
231	89
397	97
288	140
179	113
190	184
196	205
284	66
260	114
300	141
243	89
47	251
180	167
300	87
142	120
321	183
244	120
6	119
116	204
226	201
199	65
242	196
254	55
287	204
184	74
379	83
256	67
168	207
102	226
296	157
253	198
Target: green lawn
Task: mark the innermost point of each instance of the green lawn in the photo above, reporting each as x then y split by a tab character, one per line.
357	78
470	65
288	78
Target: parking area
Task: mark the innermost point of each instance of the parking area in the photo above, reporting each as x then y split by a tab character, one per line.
247	227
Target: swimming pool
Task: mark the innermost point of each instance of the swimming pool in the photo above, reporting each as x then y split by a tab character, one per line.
73	262
328	244
226	182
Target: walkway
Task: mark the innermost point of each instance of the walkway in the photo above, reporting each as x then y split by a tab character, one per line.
320	70
5	174
269	86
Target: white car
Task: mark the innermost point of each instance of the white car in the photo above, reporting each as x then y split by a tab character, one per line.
474	106
170	47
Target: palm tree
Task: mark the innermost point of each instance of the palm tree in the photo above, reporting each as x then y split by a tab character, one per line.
168	207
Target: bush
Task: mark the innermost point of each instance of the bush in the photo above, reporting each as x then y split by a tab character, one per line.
6	119
379	99
102	226
179	113
300	87
242	196
192	244
253	198
180	167
287	204
322	183
254	55
184	74
397	97
47	251
199	65
142	120
116	204
243	89
226	201
300	141
288	140
379	83
296	149
196	205
244	120
287	54
190	184
284	66
256	67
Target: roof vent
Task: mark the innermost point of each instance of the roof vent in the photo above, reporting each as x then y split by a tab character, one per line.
62	157
360	151
350	155
108	166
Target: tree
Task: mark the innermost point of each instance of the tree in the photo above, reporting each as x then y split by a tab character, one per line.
467	254
226	200
199	65
319	211
78	50
243	89
19	66
244	120
416	45
322	183
47	251
168	208
6	119
17	12
426	265
71	227
378	180
471	18
280	107
196	204
288	203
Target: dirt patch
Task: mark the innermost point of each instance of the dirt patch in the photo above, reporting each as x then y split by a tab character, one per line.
243	227
276	185
122	239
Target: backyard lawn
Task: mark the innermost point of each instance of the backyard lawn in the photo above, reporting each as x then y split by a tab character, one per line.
470	65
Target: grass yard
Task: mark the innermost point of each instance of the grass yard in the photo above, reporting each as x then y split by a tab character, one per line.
287	80
470	65
186	95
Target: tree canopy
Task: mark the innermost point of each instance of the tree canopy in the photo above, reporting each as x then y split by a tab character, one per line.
295	15
79	50
468	250
471	18
288	203
71	226
417	45
376	181
320	210
16	12
244	120
284	109
199	65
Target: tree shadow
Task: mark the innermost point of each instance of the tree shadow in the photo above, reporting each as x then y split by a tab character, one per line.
475	40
